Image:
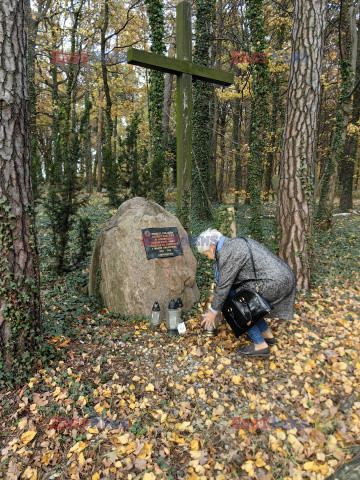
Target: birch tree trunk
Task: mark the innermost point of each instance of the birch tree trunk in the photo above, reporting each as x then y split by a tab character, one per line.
294	216
20	309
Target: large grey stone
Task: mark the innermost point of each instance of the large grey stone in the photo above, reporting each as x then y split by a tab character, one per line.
129	283
349	471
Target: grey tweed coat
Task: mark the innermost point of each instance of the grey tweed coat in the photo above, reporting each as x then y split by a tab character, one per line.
276	280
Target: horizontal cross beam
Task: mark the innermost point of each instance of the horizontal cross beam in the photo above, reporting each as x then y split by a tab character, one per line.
178	67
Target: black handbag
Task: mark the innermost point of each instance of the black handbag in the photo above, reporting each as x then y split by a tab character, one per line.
246	308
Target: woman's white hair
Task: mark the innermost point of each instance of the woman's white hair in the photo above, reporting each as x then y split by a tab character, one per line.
206	239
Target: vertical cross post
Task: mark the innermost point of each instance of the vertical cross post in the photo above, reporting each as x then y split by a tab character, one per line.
186	72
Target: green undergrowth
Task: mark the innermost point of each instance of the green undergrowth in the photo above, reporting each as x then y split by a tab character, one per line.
67	306
66	300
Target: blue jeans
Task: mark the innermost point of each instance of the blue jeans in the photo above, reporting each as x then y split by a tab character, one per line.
255	331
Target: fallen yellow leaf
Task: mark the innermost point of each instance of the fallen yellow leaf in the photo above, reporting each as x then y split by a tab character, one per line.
48	455
225	361
28	436
149	476
194	445
311	466
237	379
78	447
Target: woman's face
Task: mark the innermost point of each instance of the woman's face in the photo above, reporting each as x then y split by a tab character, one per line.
210	254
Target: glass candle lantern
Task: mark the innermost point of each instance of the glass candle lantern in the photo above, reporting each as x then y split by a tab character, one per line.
211	331
155	315
172	318
179	306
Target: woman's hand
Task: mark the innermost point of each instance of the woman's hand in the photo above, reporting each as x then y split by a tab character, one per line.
209	320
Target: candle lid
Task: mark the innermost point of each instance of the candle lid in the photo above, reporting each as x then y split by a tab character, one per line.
172	305
179	303
156	307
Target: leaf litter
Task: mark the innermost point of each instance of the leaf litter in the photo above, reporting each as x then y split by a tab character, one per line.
131	402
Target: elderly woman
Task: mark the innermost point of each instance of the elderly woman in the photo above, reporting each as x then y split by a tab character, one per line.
275	279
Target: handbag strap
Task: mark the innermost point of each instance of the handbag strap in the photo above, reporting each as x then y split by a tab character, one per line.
251	255
252	261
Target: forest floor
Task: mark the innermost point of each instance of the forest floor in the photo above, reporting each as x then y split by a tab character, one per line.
189	406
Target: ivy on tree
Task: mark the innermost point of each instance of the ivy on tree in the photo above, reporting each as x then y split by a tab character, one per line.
155	9
63	198
203	92
259	112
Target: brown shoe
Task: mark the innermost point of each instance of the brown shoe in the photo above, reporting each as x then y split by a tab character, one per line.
270	341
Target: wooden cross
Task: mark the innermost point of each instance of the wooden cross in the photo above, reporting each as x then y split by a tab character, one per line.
186	72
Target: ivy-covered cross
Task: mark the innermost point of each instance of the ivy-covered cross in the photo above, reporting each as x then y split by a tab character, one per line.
186	72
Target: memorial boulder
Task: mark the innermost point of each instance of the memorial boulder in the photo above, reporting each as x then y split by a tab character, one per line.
348	471
143	255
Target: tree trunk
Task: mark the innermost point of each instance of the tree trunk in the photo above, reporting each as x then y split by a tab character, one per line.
351	146
20	309
348	52
294	216
33	21
155	9
213	164
222	126
108	159
88	154
169	82
203	93
99	143
236	139
269	168
259	112
215	107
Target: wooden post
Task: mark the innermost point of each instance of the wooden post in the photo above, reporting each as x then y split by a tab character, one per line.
186	72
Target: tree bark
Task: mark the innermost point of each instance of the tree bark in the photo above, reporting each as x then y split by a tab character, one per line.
110	178
155	9
215	106
348	52
276	109
33	21
99	143
259	112
237	114
169	82
20	308
88	154
351	147
201	135
294	216
222	126
214	195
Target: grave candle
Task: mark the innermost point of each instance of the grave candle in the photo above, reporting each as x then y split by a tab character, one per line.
172	318
211	331
155	315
